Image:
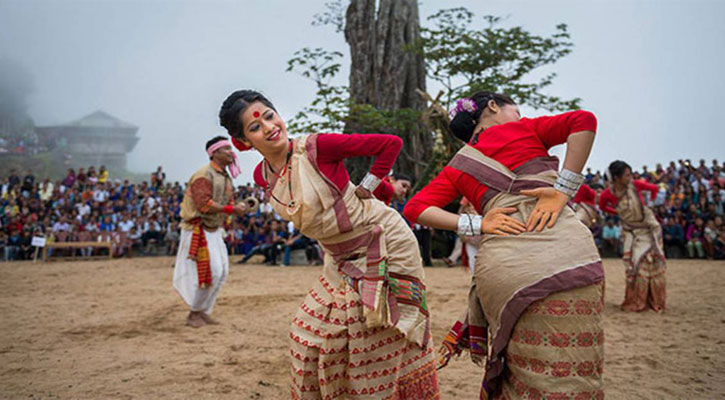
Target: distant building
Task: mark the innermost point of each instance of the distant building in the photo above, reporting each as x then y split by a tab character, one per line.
96	139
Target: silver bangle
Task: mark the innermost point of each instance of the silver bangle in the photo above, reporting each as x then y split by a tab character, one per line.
572	177
370	182
568	182
469	224
564	189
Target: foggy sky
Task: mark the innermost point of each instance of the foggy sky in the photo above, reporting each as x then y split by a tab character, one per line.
650	70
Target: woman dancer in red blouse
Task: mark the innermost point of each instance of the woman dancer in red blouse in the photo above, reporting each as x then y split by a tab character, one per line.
534	313
643	257
585	205
363	331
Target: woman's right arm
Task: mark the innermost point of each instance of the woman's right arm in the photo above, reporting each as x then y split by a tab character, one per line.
426	208
334	148
606	202
585	194
644	186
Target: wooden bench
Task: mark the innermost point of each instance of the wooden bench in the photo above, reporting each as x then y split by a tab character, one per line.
78	245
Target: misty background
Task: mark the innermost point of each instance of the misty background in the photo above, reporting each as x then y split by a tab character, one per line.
650	70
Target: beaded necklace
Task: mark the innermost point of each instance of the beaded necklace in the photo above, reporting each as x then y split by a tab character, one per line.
287	168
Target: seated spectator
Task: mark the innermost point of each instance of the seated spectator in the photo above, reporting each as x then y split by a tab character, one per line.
249	239
718	203
611	236
279	240
12	246
236	236
83	208
102	174
296	241
92	225
158	177
134	240
100	195
152	233
70	178
709	239
61	226
3	241
81	177
107	225
28	183
720	244
695	236
263	244
674	238
126	223
314	253
13	178
172	238
119	239
92	177
46	190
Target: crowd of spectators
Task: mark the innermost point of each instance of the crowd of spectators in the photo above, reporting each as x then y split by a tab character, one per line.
144	218
688	205
88	204
28	144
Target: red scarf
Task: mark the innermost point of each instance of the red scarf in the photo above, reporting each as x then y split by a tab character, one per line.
199	252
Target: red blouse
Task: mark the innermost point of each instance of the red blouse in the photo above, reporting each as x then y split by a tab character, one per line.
608	201
585	195
511	144
333	148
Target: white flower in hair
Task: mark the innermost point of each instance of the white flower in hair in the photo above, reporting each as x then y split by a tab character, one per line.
464	104
468	105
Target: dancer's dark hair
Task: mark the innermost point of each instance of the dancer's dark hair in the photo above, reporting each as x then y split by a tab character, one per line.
465	122
617	169
234	105
400	176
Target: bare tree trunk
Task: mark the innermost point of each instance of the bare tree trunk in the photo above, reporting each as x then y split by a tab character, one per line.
386	75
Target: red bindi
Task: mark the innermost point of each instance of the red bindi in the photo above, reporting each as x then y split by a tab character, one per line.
255	114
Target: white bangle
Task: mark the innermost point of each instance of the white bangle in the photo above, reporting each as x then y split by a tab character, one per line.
564	189
469	224
568	182
571	176
370	182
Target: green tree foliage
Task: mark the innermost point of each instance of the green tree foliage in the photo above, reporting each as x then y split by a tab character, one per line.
461	55
334	15
330	107
465	58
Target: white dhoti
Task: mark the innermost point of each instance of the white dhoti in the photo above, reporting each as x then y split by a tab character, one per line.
456	252
471	252
186	279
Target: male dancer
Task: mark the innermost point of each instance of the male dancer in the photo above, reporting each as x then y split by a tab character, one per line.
202	264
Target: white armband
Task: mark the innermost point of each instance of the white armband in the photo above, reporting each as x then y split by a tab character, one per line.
370	182
469	224
568	182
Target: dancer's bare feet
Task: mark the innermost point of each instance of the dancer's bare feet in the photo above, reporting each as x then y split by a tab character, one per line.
195	319
208	319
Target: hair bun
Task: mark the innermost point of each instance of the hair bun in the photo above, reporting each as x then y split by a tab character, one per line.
227	118
463	125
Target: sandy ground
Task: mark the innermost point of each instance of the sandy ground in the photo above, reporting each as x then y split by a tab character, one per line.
115	329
